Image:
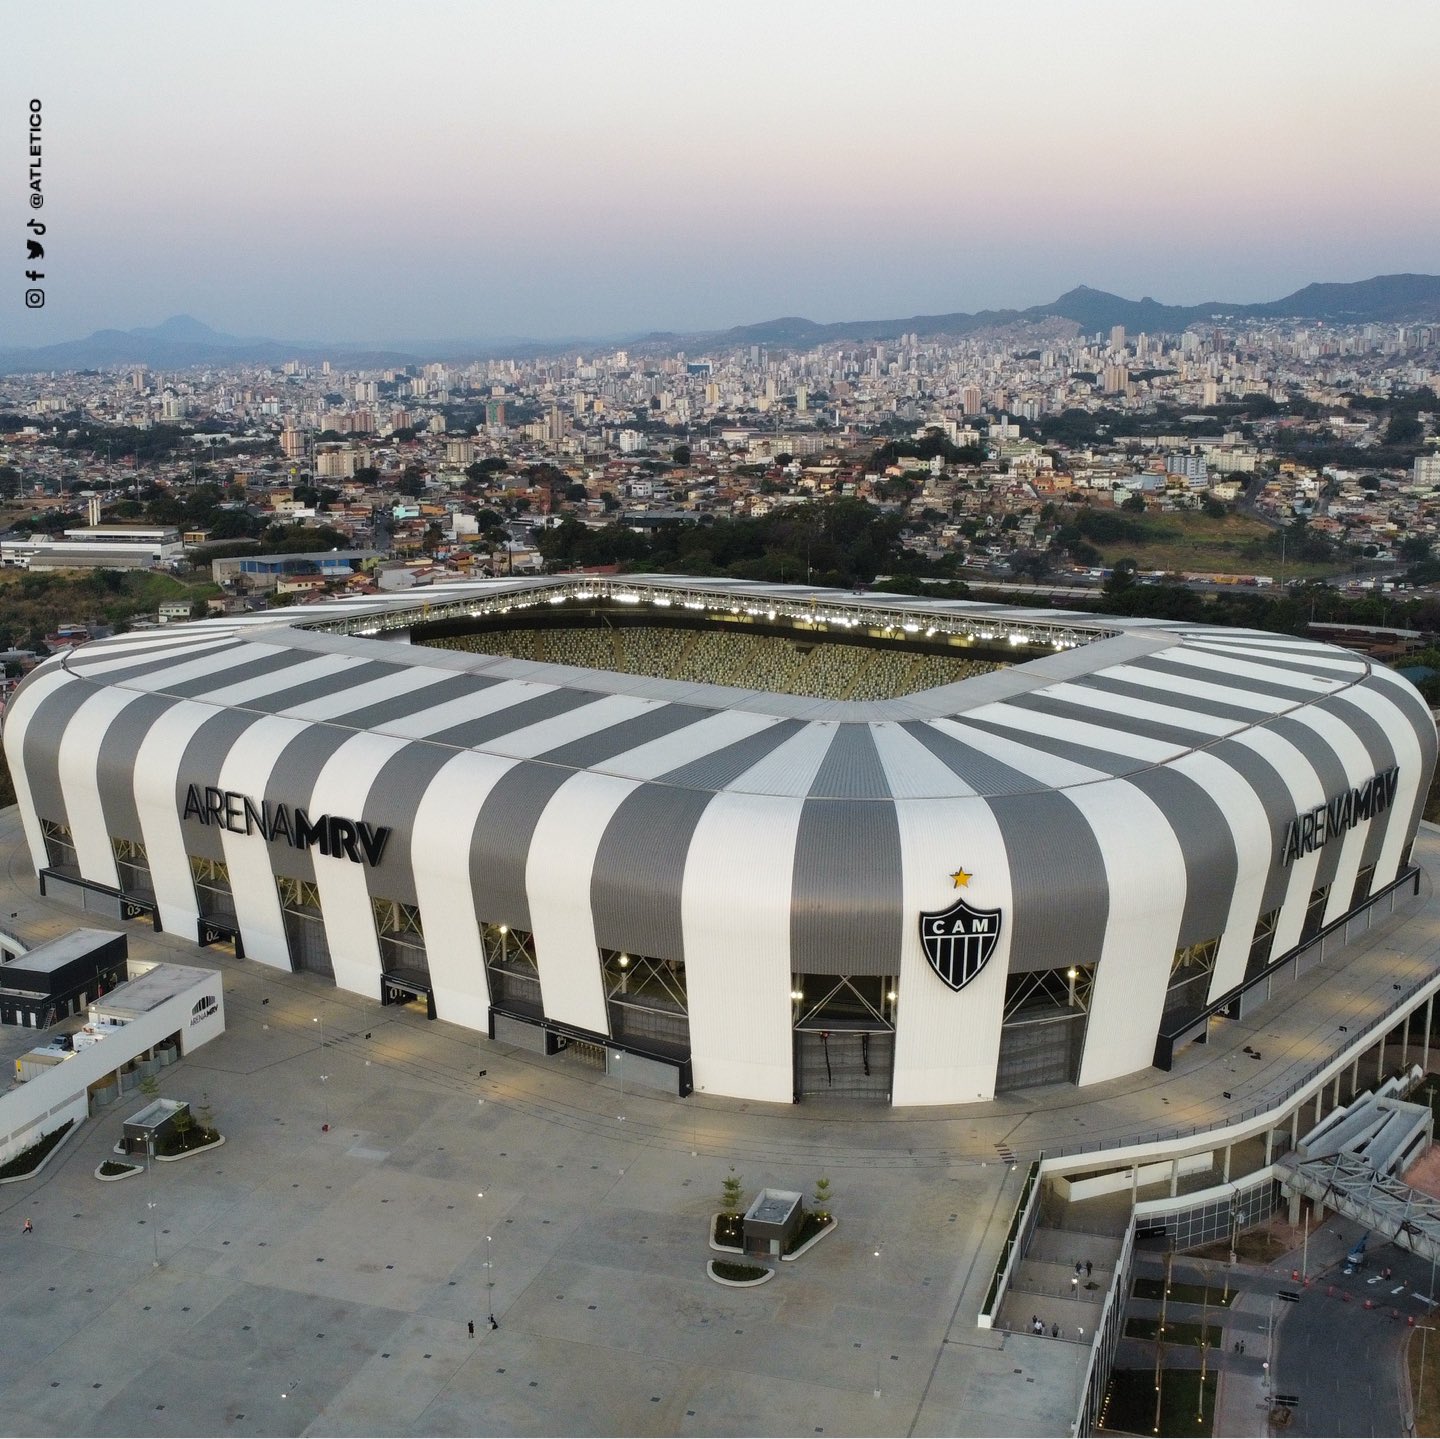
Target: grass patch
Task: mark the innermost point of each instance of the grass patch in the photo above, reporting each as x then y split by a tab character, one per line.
737	1273
1180	541
1176	1333
1130	1402
1148	1288
1427	1403
29	1160
729	1230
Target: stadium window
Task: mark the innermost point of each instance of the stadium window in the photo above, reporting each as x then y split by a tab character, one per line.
401	935
1314	914
59	847
512	968
132	866
213	896
1261	943
646	1000
1363	881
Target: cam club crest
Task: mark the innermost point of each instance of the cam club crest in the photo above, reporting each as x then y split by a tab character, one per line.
960	940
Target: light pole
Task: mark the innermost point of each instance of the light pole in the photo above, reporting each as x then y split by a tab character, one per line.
151	1203
620	1067
490	1281
324	1092
879	1251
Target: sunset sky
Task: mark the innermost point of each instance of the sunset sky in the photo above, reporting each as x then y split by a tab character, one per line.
461	169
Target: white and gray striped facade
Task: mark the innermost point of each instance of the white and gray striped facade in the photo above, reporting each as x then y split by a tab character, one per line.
1126	804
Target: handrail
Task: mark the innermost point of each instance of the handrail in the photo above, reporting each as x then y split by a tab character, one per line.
1166	1040
1010	1251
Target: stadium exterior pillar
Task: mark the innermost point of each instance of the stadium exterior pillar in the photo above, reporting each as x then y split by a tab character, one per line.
1174	1177
1380	1060
1319	1100
1429	1012
1228	1148
1335	1103
1405	1038
1355	1077
1295	1127
1269	1145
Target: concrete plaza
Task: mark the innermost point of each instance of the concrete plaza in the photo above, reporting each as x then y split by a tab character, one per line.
321	1282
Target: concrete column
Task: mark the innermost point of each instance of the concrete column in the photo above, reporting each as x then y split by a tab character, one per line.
1355	1077
1228	1148
1429	1012
1174	1177
1335	1103
1405	1038
1269	1145
1295	1127
1293	1213
1380	1060
1319	1100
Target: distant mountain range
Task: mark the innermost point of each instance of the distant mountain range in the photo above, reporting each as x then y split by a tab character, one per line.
182	342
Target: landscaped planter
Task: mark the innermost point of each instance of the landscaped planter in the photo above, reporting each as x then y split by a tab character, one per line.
810	1243
761	1275
715	1243
190	1153
130	1171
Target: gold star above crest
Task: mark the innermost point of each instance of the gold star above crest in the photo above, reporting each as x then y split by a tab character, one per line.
961	878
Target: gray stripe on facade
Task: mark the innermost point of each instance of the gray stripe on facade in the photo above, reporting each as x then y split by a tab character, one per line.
1060	903
1333	780
1411	703
1382	756
983	774
1125	689
639	872
394	798
1244	683
116	771
721	769
500	843
851	768
292	781
628	734
1104	760
412	701
1211	862
252	669
43	736
200	765
846	898
316	689
514	717
1115	719
1274	795
169	661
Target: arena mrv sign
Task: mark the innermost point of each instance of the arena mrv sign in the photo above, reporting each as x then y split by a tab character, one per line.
1316	827
340	838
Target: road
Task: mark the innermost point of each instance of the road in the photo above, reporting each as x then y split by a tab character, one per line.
1341	1359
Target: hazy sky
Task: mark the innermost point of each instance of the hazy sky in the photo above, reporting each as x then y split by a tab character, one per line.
345	169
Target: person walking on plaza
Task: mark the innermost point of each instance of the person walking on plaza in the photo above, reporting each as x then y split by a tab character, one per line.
472	1328
27	1227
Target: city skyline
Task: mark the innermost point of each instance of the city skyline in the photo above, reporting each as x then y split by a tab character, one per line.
463	170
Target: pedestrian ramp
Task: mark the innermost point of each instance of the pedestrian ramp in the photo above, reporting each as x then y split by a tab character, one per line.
1378	1129
1051	1284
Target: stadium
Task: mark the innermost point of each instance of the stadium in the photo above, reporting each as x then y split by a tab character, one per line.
769	842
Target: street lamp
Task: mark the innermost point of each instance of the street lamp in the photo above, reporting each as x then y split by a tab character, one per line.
490	1281
325	1093
151	1204
879	1250
1424	1330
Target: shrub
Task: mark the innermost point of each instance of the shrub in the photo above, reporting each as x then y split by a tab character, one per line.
29	1160
737	1273
731	1193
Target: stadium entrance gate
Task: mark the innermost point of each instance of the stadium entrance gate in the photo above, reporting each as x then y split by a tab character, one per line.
844	1036
304	926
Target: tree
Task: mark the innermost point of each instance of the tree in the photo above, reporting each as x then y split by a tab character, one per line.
681	454
1214	507
1414	548
1134	502
184	1123
1122	577
823	1199
731	1194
